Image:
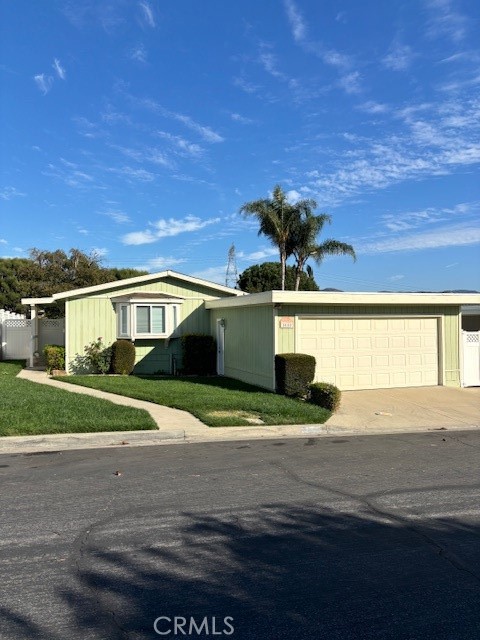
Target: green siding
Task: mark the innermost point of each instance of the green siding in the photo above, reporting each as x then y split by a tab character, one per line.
94	316
249	343
449	350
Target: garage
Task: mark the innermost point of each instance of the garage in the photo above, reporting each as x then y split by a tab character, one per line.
371	353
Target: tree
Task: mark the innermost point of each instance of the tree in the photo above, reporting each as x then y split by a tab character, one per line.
276	217
304	243
47	272
268	276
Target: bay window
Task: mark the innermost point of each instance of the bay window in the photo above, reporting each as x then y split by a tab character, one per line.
146	318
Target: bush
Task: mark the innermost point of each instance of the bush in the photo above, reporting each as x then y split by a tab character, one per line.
123	357
98	356
325	395
199	354
54	356
293	373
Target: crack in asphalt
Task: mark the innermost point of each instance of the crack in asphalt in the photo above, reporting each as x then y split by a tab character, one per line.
405	522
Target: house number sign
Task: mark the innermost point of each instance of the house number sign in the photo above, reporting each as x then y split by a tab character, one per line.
287	323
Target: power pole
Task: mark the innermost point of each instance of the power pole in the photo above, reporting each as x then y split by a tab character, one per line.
231	275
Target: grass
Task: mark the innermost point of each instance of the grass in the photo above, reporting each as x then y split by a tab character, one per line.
29	408
217	402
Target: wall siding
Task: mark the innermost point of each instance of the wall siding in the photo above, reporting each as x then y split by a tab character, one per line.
449	341
249	345
93	316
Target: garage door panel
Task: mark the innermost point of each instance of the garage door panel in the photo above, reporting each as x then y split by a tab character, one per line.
368	353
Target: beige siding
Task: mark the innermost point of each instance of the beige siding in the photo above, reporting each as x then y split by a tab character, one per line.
94	316
249	348
448	337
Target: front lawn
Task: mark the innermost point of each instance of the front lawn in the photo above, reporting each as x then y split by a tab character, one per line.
29	408
217	402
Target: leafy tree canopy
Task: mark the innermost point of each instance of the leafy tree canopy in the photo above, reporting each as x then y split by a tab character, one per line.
47	272
268	276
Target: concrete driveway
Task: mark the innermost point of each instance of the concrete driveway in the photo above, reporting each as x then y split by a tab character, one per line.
405	409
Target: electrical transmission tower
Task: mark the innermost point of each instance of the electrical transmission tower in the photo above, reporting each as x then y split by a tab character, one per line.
231	276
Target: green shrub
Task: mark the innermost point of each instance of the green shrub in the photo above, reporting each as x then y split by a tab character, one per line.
123	357
199	354
54	356
325	395
293	373
97	356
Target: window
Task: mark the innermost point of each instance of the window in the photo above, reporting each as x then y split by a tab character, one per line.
143	319
150	319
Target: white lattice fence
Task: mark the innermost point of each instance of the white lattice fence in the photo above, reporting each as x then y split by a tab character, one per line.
50	331
16	337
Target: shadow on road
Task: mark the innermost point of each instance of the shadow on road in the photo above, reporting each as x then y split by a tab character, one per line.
278	571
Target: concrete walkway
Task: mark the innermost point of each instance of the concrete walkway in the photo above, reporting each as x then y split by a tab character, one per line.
371	412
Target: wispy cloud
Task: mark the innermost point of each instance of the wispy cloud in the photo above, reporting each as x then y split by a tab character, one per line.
181	146
69	173
148	17
138	175
3	241
139	54
396	278
268	61
262	254
373	107
117	216
161	263
446	20
399	57
299	29
205	132
60	71
236	117
166	228
7	193
43	82
447	236
245	85
351	82
297	23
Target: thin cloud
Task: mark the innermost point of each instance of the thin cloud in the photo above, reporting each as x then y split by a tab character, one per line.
350	82
236	117
298	25
399	58
446	21
167	228
117	216
147	14
245	85
373	107
43	82
139	54
448	236
205	132
60	71
7	193
161	263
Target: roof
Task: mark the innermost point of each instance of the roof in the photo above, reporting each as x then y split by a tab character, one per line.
344	298
128	282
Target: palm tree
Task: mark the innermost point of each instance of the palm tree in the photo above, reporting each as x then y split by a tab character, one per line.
276	217
303	240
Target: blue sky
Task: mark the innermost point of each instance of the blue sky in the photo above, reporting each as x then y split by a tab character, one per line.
138	129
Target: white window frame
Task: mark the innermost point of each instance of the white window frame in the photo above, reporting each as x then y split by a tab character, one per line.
172	319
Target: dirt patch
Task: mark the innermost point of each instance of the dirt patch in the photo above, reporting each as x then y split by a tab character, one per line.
252	418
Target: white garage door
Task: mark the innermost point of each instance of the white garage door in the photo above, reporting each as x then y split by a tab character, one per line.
371	353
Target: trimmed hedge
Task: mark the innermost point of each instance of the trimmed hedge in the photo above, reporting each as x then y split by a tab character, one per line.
123	357
199	354
54	357
293	373
325	395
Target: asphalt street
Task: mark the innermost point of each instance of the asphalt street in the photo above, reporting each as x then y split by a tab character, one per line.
339	538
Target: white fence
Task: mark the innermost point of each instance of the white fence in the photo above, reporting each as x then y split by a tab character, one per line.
471	359
16	335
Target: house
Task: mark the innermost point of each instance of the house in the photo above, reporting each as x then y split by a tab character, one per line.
360	340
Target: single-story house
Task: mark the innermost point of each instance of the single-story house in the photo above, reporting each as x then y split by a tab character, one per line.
360	340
